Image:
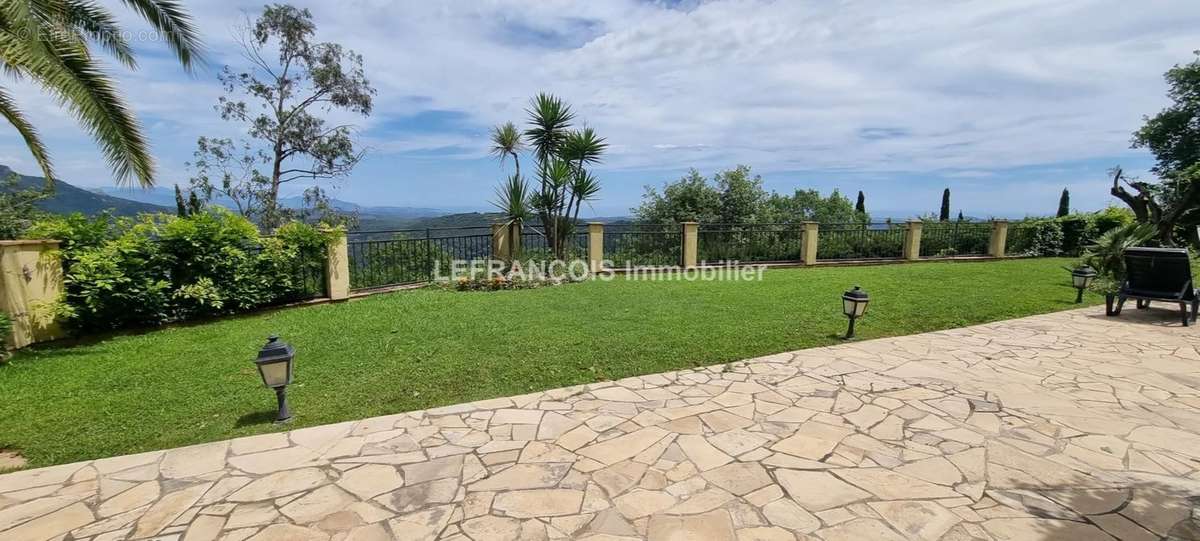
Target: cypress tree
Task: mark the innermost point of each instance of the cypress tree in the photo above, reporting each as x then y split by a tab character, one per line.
195	206
180	206
1064	203
960	216
861	206
944	215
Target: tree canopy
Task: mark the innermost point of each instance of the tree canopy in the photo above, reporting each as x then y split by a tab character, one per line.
735	196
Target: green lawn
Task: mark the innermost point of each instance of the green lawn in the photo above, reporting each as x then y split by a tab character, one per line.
419	349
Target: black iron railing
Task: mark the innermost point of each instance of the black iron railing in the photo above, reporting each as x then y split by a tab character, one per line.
860	241
397	257
1020	239
306	277
719	243
643	245
948	239
536	246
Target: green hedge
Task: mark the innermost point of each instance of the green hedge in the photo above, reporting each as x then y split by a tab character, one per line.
158	268
1064	236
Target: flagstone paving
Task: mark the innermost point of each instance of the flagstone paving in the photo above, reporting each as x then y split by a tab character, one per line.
1061	426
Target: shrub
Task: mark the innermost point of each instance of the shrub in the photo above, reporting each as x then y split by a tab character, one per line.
1039	237
1111	218
158	268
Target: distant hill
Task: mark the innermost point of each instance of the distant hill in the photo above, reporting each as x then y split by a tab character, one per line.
160	195
69	198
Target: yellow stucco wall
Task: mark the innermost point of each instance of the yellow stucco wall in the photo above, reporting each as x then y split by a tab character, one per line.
31	278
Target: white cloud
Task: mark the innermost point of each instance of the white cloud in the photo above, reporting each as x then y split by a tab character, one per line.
855	86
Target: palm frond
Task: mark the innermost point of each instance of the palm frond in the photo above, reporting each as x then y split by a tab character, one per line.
8	108
73	76
173	21
556	174
99	26
585	186
583	146
506	140
549	119
512	199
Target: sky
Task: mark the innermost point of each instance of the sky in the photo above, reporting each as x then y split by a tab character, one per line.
1006	103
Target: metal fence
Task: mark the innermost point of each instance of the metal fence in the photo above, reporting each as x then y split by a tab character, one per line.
948	239
307	275
1020	239
387	258
643	245
719	243
535	245
860	241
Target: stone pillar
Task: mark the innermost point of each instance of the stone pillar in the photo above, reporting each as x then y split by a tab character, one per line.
337	266
31	278
514	239
500	246
691	237
999	238
808	253
912	240
595	247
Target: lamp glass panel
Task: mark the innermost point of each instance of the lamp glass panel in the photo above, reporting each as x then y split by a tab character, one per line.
860	308
275	373
1079	280
848	307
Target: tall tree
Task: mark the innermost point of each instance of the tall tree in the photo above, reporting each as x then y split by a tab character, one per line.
181	208
860	206
1064	203
290	83
561	156
52	42
944	214
1172	203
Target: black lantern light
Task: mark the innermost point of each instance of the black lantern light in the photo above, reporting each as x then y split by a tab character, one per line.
854	305
275	366
1080	278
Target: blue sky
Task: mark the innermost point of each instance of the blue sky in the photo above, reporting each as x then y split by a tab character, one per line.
1005	102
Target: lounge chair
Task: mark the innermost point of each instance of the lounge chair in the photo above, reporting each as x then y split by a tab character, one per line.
1159	274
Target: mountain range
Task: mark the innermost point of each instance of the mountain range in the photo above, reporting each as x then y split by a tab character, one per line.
162	196
68	198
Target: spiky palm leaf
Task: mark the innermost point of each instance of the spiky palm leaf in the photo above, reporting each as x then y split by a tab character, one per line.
1107	255
549	120
583	147
48	42
512	198
506	141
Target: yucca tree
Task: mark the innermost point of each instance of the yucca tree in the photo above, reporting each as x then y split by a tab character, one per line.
506	142
50	42
562	156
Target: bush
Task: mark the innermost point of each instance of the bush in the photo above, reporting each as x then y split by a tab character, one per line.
1038	237
158	268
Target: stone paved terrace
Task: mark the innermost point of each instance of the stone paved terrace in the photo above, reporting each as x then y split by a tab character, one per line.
1062	426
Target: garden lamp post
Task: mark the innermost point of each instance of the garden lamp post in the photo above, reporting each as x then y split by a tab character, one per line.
1080	278
854	305
275	366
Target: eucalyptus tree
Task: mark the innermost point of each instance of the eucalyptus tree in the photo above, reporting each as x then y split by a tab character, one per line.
291	81
52	43
561	158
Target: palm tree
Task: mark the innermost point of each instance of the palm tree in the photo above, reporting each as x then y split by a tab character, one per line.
50	42
506	141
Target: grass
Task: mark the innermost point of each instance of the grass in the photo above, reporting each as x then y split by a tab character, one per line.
418	349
